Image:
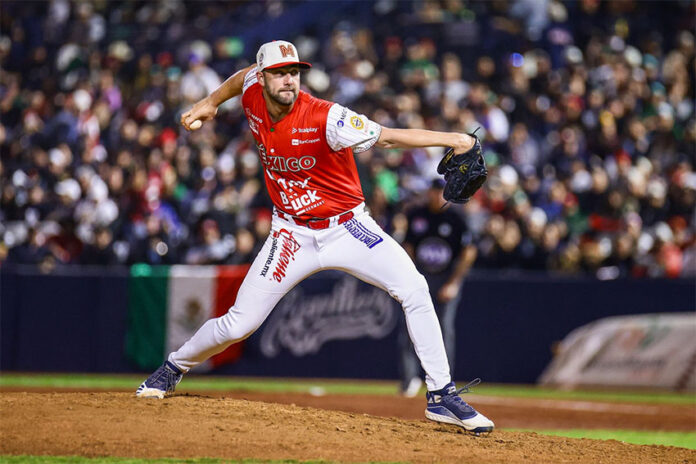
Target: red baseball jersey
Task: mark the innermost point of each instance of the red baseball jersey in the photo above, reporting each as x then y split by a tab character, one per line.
307	156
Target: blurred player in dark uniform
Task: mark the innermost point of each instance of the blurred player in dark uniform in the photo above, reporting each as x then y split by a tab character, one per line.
439	242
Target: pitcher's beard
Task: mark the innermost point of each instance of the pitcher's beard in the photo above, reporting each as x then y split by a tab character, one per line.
282	97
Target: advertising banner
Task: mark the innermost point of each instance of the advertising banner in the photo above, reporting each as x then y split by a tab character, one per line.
650	350
335	307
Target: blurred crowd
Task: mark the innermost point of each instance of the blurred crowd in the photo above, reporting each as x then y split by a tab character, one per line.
585	109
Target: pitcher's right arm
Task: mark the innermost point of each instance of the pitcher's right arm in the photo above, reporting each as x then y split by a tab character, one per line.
206	109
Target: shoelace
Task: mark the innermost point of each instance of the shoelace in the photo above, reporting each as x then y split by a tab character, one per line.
169	379
173	379
465	389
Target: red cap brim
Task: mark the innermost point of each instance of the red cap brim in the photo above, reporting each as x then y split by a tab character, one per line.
301	64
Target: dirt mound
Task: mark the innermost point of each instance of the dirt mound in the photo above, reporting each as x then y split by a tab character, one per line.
117	424
507	412
517	413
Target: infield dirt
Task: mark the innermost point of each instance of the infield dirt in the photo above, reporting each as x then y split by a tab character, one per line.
187	426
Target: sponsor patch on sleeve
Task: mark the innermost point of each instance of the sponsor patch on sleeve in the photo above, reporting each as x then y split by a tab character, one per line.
249	80
357	123
344	113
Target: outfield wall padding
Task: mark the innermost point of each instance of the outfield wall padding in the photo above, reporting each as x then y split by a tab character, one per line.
331	325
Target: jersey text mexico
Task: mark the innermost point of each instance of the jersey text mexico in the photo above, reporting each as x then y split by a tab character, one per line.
307	156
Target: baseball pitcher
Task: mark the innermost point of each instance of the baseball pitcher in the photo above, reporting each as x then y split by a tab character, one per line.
306	147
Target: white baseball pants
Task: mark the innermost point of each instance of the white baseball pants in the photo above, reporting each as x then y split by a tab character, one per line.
293	252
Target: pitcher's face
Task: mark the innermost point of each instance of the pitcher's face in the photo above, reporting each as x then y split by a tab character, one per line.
282	85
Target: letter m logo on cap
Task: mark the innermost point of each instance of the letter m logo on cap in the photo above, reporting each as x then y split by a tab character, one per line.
287	50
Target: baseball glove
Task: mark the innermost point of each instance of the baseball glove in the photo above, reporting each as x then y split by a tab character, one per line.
464	173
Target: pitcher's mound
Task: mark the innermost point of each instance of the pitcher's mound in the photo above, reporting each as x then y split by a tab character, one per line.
118	424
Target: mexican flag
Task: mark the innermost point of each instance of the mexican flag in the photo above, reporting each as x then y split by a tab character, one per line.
167	304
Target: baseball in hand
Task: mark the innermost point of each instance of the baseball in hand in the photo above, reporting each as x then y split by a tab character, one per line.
195	125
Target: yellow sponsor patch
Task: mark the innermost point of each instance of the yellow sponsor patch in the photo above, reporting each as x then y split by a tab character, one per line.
357	123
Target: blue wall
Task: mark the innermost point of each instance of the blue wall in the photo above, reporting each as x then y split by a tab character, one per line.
508	326
76	322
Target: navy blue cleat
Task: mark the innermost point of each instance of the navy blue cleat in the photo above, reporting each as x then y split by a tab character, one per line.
161	383
446	406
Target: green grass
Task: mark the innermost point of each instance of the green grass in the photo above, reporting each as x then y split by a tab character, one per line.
108	460
636	437
196	383
526	391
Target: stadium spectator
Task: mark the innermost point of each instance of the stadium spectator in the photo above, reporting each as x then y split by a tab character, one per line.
586	112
